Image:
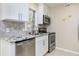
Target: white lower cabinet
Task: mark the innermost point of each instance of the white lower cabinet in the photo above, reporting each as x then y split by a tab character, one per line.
45	43
6	48
41	45
40	48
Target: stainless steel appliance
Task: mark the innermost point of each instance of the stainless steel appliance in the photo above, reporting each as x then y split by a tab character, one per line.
51	42
51	39
46	20
42	30
25	47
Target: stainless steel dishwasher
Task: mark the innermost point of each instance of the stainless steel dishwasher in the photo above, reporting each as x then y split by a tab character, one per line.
25	47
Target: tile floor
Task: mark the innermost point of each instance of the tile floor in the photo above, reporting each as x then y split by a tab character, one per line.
57	52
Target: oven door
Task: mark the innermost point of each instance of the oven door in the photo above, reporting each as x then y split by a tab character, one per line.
51	42
51	39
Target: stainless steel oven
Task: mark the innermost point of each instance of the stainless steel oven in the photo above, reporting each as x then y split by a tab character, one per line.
46	20
51	42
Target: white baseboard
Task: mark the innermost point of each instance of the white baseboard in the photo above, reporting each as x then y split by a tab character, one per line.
67	50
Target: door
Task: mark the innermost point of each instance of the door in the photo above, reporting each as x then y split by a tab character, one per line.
51	39
45	44
39	46
15	11
10	11
7	48
23	11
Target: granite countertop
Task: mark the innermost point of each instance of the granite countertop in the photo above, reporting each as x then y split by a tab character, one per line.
26	37
13	36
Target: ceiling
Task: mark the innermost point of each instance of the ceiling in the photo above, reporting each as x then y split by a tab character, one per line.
58	4
55	4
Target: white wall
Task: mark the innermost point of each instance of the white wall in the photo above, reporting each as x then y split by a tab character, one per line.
64	22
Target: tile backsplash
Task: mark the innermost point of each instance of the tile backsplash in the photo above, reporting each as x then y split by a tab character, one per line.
13	25
2	26
9	26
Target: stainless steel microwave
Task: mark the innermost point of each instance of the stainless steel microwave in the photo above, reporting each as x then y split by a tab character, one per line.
46	20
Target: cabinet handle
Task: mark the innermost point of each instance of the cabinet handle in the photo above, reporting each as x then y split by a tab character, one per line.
19	16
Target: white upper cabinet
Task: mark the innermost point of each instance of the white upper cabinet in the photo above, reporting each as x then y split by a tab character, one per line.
24	11
42	10
40	13
46	10
15	11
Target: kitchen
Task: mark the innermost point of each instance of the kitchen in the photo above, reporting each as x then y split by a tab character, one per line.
20	35
33	29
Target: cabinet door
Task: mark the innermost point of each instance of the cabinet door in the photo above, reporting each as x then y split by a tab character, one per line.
45	43
24	11
39	47
40	13
46	10
15	11
7	48
10	11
